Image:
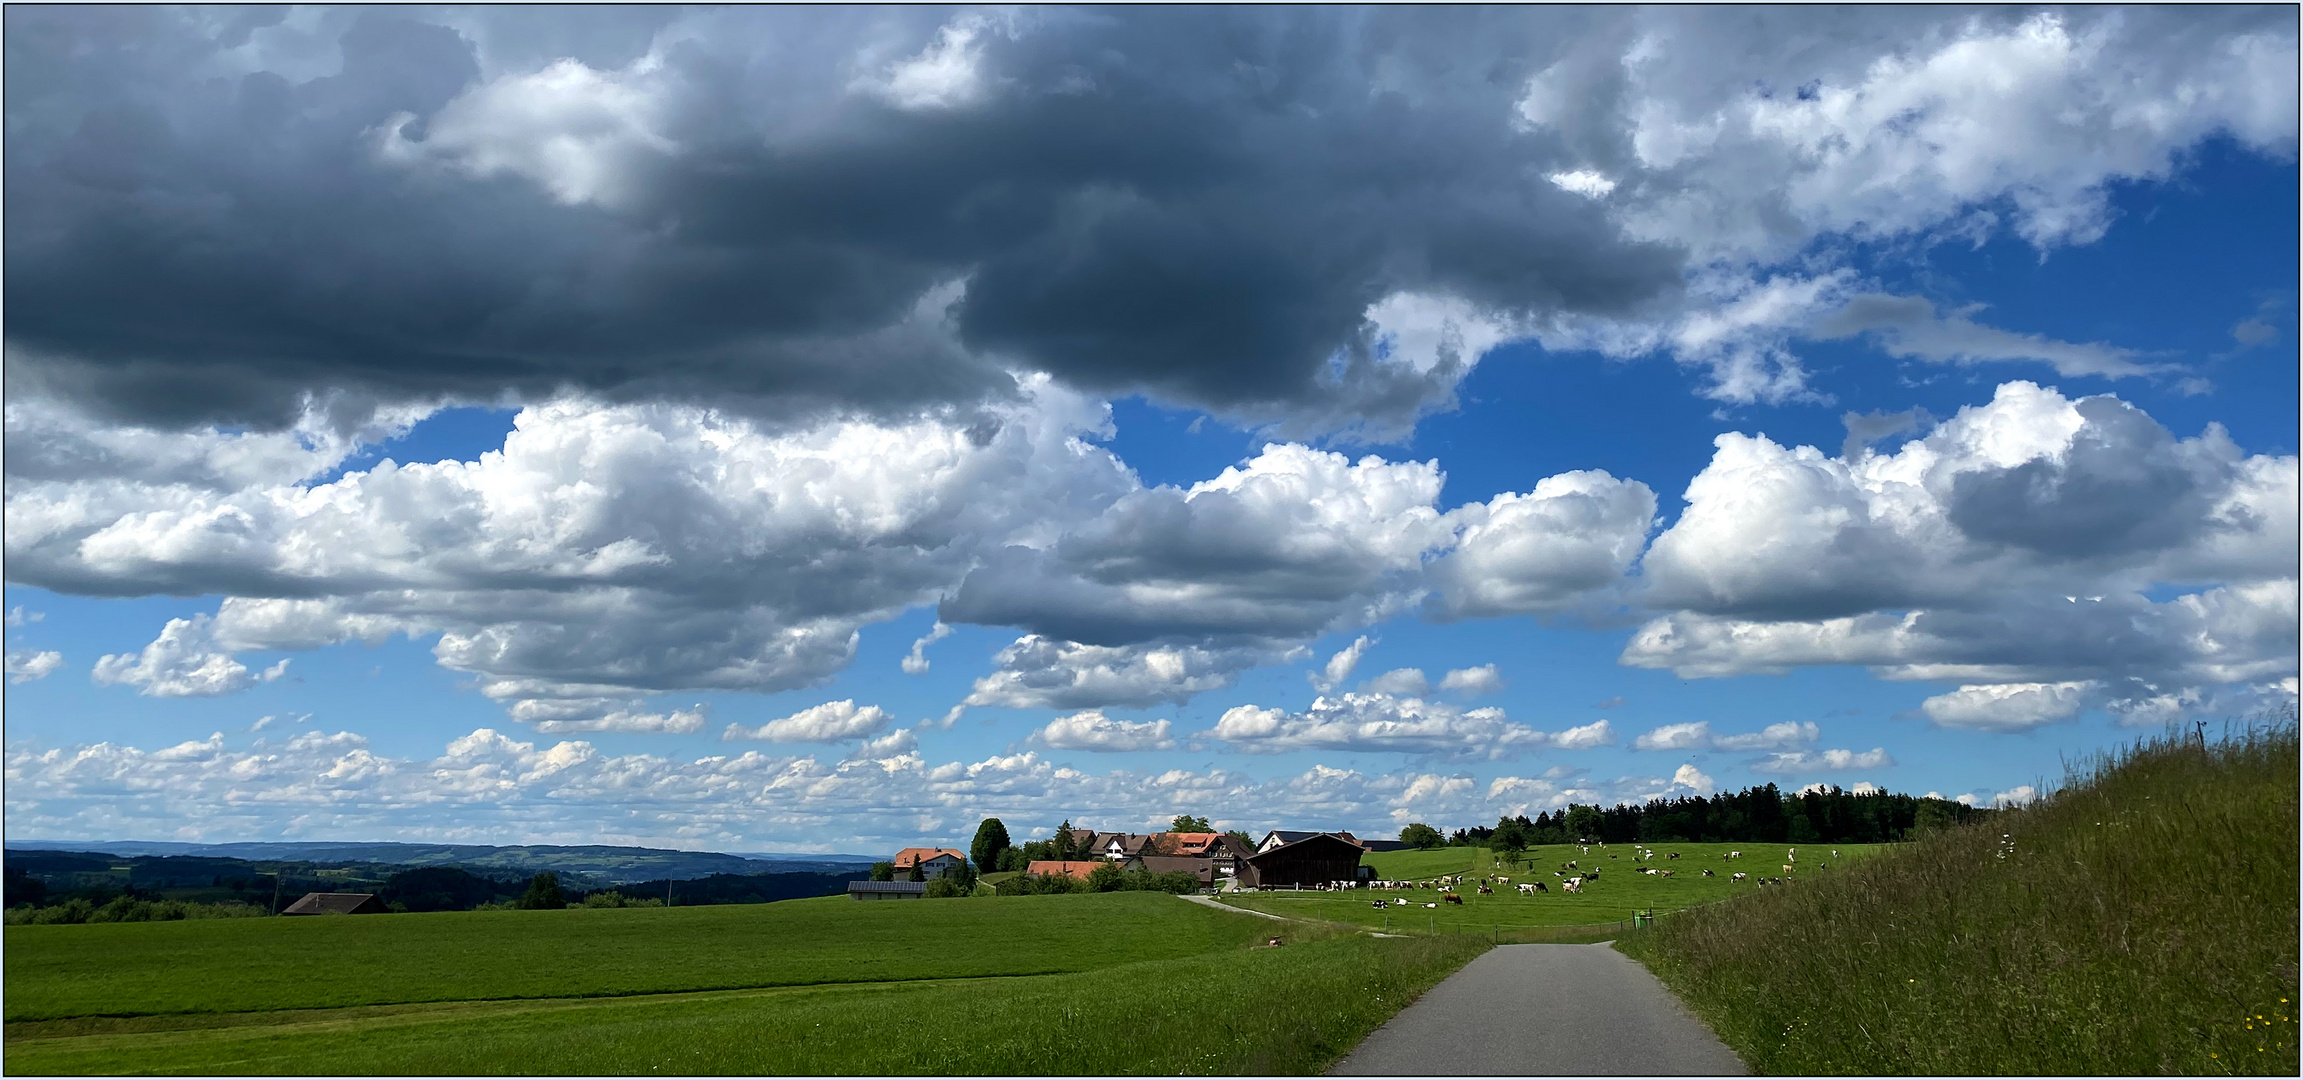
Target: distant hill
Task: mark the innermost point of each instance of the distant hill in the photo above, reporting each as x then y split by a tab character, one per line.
592	864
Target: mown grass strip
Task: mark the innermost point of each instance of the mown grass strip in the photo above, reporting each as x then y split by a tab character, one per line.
1266	1011
2143	920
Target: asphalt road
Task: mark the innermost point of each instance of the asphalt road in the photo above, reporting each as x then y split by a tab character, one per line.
1544	1010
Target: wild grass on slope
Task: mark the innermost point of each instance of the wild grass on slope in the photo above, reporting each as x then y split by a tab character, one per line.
233	965
1289	1010
2141	920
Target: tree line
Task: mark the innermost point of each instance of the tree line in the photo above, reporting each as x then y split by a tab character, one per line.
1763	814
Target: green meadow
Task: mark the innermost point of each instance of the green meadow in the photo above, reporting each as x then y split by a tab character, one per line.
1618	892
1121	983
2140	920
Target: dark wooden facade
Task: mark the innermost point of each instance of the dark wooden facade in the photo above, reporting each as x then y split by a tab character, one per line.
1313	860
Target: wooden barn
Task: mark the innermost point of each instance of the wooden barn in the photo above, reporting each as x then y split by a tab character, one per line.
1318	859
337	903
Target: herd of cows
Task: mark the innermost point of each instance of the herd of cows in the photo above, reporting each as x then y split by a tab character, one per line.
1572	878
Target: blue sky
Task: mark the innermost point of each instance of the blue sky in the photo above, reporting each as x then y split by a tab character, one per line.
629	621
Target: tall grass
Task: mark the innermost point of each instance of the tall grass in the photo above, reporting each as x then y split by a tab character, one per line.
2141	919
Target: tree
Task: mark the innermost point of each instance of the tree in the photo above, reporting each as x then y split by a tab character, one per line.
1106	877
1421	836
543	893
962	877
991	842
1188	823
1063	846
1013	859
1509	840
883	871
1583	822
916	873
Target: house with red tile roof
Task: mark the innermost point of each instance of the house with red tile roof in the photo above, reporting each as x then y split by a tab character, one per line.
932	862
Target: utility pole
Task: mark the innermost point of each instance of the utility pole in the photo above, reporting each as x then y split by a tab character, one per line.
275	892
667	890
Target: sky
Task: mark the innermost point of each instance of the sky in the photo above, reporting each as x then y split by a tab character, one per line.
817	430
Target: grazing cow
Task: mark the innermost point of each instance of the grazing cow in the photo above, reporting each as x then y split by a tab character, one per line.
1591	876
1791	855
1380	906
1573	885
1739	877
1665	873
1527	890
1539	887
1452	899
1786	868
1674	854
1834	853
1709	872
1431	905
1734	854
1484	890
1571	864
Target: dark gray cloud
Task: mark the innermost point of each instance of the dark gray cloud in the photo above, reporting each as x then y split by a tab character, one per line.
1201	205
2124	485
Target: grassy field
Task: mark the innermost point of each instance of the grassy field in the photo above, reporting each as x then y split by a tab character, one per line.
1619	891
812	986
239	965
2142	920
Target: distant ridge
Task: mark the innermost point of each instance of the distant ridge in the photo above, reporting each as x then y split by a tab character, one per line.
611	864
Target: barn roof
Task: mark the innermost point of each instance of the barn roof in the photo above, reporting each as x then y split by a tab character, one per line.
1162	864
1309	839
337	903
1075	868
896	887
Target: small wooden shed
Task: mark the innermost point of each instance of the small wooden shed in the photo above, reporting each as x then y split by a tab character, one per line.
337	903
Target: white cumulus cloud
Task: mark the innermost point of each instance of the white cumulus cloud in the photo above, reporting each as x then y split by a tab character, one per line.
1093	731
832	721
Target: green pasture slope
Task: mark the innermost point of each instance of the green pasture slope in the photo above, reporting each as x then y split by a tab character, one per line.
829	986
1619	891
2141	920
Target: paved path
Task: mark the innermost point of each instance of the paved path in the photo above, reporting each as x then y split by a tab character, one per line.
1219	905
1544	1010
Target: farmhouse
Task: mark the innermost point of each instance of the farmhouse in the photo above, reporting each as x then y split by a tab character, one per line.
932	862
1120	847
1074	867
337	903
1317	859
887	890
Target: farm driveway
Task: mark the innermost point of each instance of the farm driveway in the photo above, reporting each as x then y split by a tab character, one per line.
1544	1010
1221	906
